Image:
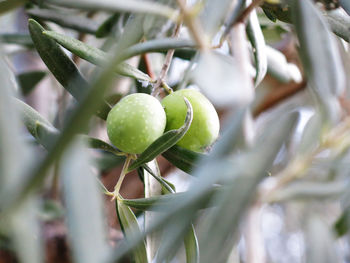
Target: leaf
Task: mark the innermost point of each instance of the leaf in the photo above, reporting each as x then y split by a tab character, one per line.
309	190
320	243
213	16
130	229
94	55
8	5
158	45
28	80
191	246
79	23
279	68
132	6
342	225
15	160
182	158
86	222
167	188
218	77
257	40
61	66
165	141
16	38
161	202
346	5
339	22
106	27
320	57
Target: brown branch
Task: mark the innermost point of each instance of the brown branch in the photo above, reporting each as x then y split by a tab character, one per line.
278	96
148	66
243	16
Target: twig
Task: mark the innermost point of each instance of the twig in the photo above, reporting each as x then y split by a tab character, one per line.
121	177
166	65
243	16
148	66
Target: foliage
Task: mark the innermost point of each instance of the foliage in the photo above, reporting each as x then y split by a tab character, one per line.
277	155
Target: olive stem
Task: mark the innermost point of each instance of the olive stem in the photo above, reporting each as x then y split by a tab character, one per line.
121	177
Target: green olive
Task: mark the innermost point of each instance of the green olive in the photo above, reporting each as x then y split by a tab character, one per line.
135	122
205	125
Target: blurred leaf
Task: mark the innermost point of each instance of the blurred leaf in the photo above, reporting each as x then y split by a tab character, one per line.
158	45
342	225
320	57
132	6
346	5
29	80
309	190
86	222
94	55
61	66
320	243
79	23
16	38
106	27
8	5
161	202
22	224
130	227
279	68
164	142
339	22
233	16
46	134
222	223
213	16
218	77
191	246
257	40
182	158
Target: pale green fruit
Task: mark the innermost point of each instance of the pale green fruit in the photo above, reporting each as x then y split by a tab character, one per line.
135	122
205	126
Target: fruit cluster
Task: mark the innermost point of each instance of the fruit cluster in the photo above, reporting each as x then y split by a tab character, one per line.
139	119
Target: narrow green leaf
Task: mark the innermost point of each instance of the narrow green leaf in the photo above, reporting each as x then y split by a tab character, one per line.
61	66
16	38
94	55
79	23
191	246
132	6
167	187
8	5
167	140
182	158
131	229
28	80
257	40
84	203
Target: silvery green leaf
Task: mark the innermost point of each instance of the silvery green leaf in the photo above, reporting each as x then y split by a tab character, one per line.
279	68
83	199
213	15
339	22
346	5
257	40
218	77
